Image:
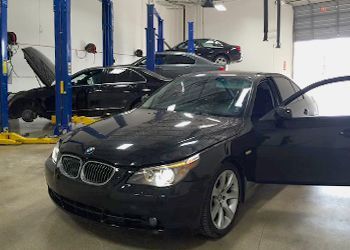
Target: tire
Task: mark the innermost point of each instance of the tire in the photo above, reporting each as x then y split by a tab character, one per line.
222	60
29	115
221	204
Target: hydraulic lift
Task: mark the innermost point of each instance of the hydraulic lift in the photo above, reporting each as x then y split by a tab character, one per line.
6	137
150	36
63	60
63	118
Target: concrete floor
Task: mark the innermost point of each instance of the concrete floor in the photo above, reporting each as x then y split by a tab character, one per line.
275	217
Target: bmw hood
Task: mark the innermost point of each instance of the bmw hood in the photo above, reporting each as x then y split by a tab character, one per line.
41	65
147	137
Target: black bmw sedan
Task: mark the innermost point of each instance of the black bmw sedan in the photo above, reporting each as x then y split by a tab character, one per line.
214	50
95	91
182	160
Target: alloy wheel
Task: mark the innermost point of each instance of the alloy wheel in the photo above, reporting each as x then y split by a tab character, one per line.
224	199
221	60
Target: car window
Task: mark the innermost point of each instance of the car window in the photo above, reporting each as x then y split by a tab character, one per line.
121	75
220	96
211	44
183	46
285	87
295	86
264	100
88	78
326	101
141	62
174	59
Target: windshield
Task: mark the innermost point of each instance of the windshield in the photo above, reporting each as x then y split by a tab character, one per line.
217	95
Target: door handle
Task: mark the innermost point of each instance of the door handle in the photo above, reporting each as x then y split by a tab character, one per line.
345	133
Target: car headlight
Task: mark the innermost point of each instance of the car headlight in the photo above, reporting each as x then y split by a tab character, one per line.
166	175
55	153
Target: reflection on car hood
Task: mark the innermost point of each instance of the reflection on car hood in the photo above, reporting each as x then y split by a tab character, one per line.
41	65
148	137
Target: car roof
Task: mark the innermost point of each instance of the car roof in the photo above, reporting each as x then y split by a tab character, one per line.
138	69
251	75
110	67
192	55
175	53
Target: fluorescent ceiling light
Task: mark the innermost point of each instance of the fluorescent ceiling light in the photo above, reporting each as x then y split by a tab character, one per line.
220	7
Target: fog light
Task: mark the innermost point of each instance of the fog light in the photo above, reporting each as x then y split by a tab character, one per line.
153	222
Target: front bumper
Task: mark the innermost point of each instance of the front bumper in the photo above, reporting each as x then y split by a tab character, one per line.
133	206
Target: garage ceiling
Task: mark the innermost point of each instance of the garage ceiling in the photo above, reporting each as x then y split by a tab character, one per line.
188	2
304	2
199	2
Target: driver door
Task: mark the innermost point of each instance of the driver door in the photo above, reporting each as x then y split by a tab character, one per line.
293	147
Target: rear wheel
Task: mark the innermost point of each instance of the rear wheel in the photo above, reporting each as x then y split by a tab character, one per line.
221	204
222	60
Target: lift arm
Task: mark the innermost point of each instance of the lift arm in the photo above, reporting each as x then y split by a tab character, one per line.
4	123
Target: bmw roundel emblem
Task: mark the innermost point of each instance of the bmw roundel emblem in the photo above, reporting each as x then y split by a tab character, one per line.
90	150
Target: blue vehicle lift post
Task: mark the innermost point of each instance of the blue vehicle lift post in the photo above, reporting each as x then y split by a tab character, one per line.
150	37
62	9
191	48
160	40
6	137
63	58
107	27
4	123
63	88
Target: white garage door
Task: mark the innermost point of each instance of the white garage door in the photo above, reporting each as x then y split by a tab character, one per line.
322	50
322	20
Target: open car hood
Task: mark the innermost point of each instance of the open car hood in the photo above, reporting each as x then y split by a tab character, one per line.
41	65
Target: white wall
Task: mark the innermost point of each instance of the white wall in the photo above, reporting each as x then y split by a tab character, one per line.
33	21
242	24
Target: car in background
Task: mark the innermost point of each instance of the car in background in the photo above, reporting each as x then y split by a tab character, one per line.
173	64
214	50
96	91
183	158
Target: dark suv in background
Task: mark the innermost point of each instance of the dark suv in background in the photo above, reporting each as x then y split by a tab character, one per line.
214	50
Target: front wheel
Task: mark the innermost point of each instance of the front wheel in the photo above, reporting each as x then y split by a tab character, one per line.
29	115
221	204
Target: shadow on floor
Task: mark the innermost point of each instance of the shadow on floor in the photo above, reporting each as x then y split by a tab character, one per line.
175	239
39	128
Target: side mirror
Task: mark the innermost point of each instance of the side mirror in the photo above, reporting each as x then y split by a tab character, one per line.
283	113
